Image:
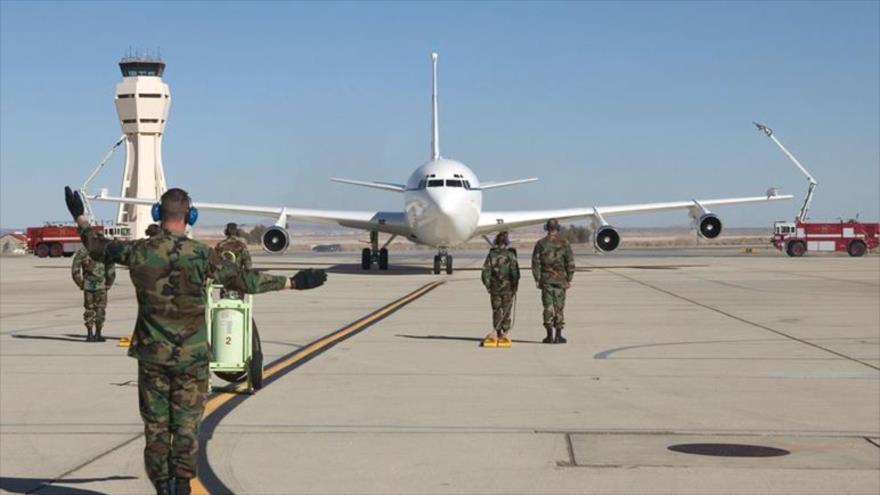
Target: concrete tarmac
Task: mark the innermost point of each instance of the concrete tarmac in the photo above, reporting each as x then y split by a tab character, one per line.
769	364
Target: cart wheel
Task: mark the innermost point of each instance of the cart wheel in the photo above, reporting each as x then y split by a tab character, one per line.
857	248
256	363
256	371
231	376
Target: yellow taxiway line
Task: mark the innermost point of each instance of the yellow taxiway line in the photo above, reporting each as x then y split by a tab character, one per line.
214	403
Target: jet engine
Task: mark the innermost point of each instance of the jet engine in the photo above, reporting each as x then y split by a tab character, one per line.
607	239
709	226
276	239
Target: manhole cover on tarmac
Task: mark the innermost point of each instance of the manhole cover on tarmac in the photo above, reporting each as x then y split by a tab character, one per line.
611	449
728	450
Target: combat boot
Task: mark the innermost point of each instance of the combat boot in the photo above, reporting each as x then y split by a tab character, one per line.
181	486
559	338
98	337
163	487
549	338
89	337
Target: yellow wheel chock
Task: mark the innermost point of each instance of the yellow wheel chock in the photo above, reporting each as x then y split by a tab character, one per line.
504	341
490	340
124	342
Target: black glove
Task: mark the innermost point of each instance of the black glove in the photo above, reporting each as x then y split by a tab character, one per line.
74	202
308	279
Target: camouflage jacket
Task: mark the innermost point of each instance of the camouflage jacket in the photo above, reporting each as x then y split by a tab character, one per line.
236	250
170	273
501	271
553	262
91	275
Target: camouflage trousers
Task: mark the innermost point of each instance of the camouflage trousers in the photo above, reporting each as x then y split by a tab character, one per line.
172	401
553	298
502	309
95	305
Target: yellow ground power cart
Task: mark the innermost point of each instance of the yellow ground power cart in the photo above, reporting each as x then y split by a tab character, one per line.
233	337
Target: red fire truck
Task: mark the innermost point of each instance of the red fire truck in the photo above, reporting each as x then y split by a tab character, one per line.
62	239
855	238
800	236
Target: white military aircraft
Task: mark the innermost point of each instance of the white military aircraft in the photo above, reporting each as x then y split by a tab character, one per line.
442	208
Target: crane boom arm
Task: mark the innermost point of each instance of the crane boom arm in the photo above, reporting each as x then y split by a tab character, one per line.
805	208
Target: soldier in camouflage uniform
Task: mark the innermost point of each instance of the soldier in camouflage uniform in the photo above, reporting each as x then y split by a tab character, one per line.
94	278
234	248
501	278
553	269
170	272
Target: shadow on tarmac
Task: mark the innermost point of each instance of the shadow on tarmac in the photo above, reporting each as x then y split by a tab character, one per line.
47	486
465	339
68	337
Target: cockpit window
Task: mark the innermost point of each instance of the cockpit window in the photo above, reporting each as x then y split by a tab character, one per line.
453	183
422	184
467	185
435	183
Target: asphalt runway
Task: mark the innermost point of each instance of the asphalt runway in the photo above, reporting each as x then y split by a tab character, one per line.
687	371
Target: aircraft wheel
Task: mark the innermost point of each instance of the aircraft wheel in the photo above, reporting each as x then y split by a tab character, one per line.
383	259
366	258
437	265
56	250
42	251
796	248
449	264
857	248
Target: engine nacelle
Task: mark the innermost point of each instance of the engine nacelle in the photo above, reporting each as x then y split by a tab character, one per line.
709	226
607	239
275	240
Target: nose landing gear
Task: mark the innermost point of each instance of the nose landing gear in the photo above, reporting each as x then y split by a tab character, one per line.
442	259
375	254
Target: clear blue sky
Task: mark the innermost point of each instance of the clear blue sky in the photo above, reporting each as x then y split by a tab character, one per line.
607	103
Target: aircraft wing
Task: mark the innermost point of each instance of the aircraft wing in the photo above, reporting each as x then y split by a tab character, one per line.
505	220
391	222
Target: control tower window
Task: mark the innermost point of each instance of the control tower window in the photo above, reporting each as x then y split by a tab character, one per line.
435	183
453	183
135	66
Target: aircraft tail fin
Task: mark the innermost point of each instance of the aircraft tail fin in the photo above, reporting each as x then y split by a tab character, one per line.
435	129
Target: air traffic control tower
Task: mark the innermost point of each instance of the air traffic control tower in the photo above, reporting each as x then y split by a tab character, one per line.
142	101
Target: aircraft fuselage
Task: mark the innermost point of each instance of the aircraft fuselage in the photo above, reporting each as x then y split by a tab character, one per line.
442	203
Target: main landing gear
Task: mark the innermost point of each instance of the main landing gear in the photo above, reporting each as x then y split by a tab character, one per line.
442	259
374	254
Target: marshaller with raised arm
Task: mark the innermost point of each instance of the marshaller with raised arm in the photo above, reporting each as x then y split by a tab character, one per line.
170	341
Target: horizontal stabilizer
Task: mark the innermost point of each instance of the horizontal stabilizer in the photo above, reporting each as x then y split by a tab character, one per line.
387	186
493	185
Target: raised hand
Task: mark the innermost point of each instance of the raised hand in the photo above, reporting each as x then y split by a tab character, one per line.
74	202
